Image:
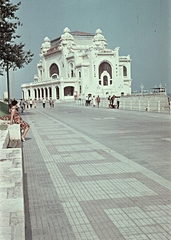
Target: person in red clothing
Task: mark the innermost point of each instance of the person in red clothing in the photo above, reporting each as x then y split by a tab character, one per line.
15	118
98	101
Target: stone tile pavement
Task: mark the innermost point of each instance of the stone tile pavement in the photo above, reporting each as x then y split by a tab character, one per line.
12	217
78	189
11	195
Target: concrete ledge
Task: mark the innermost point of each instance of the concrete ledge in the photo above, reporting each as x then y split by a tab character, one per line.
4	138
15	136
12	217
14	132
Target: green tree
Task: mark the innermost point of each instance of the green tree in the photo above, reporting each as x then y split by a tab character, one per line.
12	54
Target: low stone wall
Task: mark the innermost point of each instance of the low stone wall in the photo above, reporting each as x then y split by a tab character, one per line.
147	102
12	218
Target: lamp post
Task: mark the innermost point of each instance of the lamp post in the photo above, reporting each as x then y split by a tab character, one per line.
8	84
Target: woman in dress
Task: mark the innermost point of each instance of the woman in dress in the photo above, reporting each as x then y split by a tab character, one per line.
15	118
94	101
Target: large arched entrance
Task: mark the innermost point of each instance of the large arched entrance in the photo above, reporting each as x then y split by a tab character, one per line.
68	91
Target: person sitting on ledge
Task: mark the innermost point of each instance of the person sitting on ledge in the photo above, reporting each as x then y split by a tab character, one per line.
15	118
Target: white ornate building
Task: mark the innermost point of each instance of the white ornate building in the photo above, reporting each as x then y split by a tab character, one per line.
78	64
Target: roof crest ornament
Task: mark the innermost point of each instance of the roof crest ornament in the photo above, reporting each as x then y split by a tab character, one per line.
99	40
45	46
67	39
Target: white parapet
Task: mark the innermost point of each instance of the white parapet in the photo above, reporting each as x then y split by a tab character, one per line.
4	138
12	216
14	132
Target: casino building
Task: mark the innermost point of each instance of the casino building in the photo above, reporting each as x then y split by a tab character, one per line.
78	64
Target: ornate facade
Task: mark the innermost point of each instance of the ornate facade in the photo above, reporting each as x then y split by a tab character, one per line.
78	64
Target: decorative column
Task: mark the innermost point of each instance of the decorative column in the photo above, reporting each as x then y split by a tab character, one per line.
61	90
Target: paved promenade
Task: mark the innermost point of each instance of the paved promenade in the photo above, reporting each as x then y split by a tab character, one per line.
77	188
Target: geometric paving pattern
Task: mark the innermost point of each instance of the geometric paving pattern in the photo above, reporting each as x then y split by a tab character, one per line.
147	223
78	189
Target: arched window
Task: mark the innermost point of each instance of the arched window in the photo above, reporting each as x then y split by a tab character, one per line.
54	70
42	91
105	81
124	71
35	93
50	92
38	93
46	92
105	66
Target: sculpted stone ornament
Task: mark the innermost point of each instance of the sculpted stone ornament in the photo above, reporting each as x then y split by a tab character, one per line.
67	38
46	45
99	40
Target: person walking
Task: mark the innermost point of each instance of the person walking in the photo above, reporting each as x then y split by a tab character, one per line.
118	101
112	101
22	105
31	103
16	118
44	101
115	102
109	102
50	103
34	103
98	101
94	101
53	105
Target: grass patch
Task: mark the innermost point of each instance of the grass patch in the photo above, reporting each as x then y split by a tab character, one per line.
4	110
3	113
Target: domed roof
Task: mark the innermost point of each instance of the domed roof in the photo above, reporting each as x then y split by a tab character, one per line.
98	31
46	39
66	30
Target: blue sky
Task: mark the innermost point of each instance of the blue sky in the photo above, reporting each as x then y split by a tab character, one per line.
140	28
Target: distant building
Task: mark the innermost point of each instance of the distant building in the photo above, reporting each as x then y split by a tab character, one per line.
78	64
